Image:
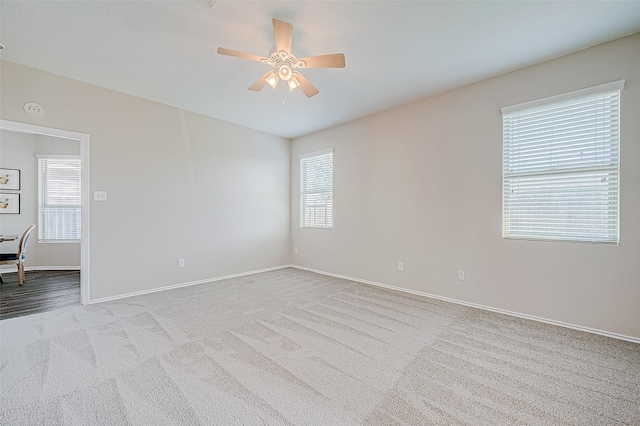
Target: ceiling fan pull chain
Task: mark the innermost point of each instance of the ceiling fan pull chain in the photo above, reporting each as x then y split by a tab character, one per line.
283	92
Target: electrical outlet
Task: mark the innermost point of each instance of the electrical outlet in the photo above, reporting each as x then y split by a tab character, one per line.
180	263
400	266
100	195
295	250
461	275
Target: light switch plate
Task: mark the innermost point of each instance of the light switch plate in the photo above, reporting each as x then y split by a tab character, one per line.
100	195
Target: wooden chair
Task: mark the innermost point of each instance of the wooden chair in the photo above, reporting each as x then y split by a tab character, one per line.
18	258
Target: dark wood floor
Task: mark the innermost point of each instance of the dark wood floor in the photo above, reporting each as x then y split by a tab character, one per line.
42	291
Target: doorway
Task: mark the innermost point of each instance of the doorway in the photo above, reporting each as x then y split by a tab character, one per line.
83	139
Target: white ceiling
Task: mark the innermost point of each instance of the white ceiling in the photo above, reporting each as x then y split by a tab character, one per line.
396	51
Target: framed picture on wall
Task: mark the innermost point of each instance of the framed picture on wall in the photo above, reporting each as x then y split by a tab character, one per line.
9	179
9	203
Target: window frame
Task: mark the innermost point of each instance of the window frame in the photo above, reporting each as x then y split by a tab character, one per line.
304	192
607	233
42	228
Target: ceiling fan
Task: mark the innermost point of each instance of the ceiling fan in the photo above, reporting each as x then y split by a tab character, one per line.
285	63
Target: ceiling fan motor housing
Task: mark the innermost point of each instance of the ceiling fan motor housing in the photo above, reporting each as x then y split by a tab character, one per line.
284	62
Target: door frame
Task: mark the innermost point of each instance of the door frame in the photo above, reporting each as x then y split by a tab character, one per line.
83	138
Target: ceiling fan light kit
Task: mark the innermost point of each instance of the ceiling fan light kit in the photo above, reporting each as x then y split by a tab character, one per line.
273	79
293	82
284	63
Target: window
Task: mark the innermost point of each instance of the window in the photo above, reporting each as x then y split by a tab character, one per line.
560	167
316	189
59	198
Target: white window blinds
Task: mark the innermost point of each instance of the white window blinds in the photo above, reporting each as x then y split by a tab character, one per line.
59	198
316	189
560	167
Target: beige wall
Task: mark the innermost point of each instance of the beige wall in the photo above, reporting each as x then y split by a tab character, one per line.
422	184
179	185
419	184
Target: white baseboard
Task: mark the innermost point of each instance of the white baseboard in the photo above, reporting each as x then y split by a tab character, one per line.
390	287
187	284
52	268
13	268
475	305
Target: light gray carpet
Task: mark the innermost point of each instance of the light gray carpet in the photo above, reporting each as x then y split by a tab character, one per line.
294	347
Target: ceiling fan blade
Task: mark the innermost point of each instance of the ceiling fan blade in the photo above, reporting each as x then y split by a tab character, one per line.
335	60
260	83
238	54
283	32
307	88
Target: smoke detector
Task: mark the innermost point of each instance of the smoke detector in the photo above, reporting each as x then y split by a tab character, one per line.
34	109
